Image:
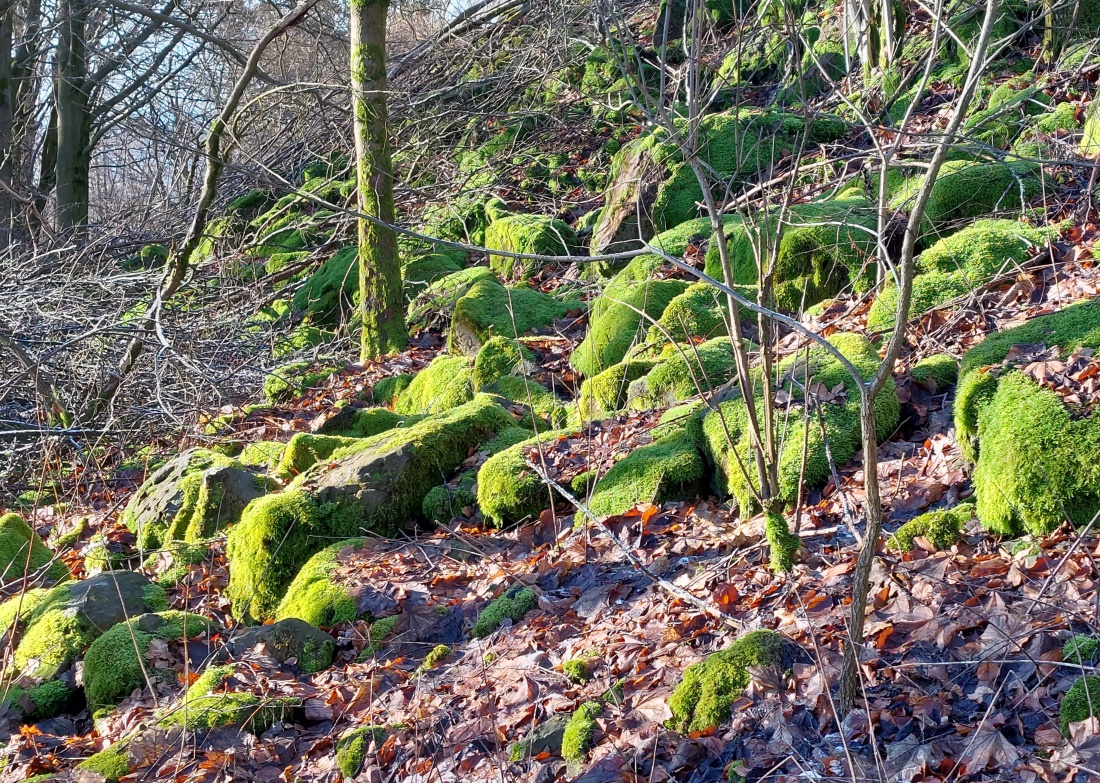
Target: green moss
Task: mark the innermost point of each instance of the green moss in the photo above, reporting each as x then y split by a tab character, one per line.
1080	650
426	268
529	234
1063	118
498	357
277	534
783	545
291	380
112	763
262	453
386	391
252	201
576	669
580	732
351	749
670	468
329	295
1081	701
508	437
444	384
512	605
22	553
709	688
698	313
687	371
489	309
841	424
435	305
116	663
305	450
941	368
606	392
434	657
941	528
543	408
965	190
204	706
509	491
443	503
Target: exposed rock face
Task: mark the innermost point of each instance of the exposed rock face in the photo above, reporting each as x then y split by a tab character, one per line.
311	648
626	216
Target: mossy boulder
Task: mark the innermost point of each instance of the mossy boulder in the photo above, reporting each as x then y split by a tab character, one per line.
958	264
444	384
541	408
117	663
497	358
1081	650
218	698
527	234
507	489
386	391
669	468
941	368
512	605
112	762
965	190
1081	701
699	313
1035	463
191	497
354	422
489	309
605	393
289	639
709	688
684	371
840	415
316	595
434	306
290	381
425	268
444	503
941	528
352	748
304	450
328	296
377	485
56	626
649	178
23	555
262	454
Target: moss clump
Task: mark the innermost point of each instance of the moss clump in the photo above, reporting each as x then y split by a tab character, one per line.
966	190
315	595
615	320
489	309
351	749
1081	701
328	296
1035	464
688	370
1080	650
509	491
542	407
208	704
444	384
386	391
508	437
290	381
497	358
112	763
577	669
116	662
783	545
670	468
941	528
512	605
352	422
529	234
23	555
699	313
434	657
435	305
604	393
375	484
958	264
941	368
444	503
262	454
305	450
426	268
580	732
709	688
840	415
824	247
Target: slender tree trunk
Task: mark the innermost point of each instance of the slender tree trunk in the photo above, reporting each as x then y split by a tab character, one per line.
71	105
7	122
381	302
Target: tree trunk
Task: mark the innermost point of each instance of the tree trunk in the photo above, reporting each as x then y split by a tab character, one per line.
7	122
71	104
381	302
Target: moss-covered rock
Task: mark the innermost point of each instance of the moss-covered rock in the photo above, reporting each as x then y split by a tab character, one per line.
527	234
670	468
377	484
512	605
580	732
649	178
489	309
386	391
290	381
1082	701
304	450
840	415
941	528
23	555
966	190
508	437
1035	465
263	454
435	305
699	313
684	371
112	762
445	502
352	748
542	408
288	640
1081	650
116	663
315	595
444	384
497	358
328	296
941	368
709	688
213	700
605	393
425	268
353	422
507	489
191	497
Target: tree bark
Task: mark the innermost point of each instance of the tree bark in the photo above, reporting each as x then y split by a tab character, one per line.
381	302
71	105
7	122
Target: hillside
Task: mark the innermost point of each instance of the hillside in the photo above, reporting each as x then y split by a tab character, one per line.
605	518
